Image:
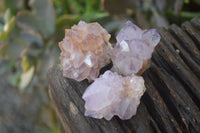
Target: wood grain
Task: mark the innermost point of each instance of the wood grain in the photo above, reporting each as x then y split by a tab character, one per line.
171	103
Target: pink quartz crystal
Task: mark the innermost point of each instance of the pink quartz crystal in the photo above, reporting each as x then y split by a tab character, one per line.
134	49
84	51
111	94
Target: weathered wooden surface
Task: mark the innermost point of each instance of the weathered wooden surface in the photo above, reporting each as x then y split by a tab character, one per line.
170	104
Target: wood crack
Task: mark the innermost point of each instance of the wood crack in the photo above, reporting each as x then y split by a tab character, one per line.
171	103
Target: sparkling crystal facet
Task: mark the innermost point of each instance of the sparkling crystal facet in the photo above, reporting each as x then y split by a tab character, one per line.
133	50
85	50
111	94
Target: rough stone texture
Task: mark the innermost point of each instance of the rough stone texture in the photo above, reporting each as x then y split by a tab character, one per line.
133	49
85	49
112	94
170	104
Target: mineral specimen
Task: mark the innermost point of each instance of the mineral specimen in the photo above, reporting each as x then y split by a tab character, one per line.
111	94
84	50
134	49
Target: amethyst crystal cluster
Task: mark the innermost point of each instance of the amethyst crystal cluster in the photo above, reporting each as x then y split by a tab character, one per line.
112	94
133	50
86	49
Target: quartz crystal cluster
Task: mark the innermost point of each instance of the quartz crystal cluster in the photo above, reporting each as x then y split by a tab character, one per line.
133	50
111	94
84	51
86	48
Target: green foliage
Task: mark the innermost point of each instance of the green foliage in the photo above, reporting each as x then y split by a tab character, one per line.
148	13
13	5
88	10
25	35
69	12
31	29
41	19
29	34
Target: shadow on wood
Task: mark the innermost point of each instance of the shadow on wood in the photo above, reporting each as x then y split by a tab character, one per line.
170	104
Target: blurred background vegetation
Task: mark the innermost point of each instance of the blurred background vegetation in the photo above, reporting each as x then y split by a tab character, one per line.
29	34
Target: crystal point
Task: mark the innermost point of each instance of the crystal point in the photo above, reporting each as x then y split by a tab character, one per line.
84	51
134	49
111	94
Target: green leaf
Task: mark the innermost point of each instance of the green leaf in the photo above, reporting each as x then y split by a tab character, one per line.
41	19
12	50
91	17
26	78
14	5
45	13
64	22
7	16
76	6
7	29
25	64
14	41
3	36
28	20
30	57
30	38
10	25
89	6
